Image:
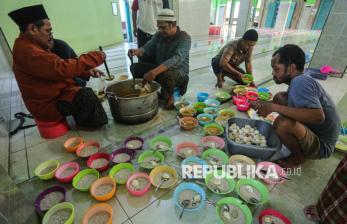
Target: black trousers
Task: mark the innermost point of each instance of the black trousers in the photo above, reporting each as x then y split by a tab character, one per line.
218	70
85	108
168	80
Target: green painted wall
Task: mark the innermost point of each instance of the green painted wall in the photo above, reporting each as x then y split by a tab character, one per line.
84	24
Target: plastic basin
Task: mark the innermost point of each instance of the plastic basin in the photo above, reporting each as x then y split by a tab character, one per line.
62	168
98	183
44	165
119	167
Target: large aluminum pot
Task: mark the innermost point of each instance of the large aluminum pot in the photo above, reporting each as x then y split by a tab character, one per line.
126	104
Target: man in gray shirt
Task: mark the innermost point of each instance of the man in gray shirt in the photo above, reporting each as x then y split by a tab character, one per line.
308	124
169	48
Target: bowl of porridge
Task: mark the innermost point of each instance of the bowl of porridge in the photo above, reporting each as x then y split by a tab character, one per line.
122	155
215	157
103	189
138	184
99	161
279	174
48	198
134	143
161	143
73	143
84	179
66	172
187	149
150	159
47	169
218	182
163	177
88	149
241	162
213	142
233	210
60	213
191	193
121	172
273	216
100	213
252	191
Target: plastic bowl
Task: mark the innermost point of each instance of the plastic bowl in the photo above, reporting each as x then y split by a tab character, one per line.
264	192
44	165
229	113
239	99
195	160
212	103
52	129
43	194
100	182
84	145
130	152
180	104
264	96
211	110
216	153
202	96
147	154
263	90
274	213
202	122
252	96
235	159
188	111
231	182
73	143
219	142
247	79
222	121
95	209
243	107
222	96
199	107
142	191
99	156
62	168
57	207
213	129
162	169
195	148
80	175
240	90
131	139
279	170
236	202
193	187
119	167
188	123
160	138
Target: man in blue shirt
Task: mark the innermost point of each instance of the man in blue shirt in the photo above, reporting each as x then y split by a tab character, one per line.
308	124
169	48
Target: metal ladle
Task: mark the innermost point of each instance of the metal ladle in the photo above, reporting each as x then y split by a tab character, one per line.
106	67
184	203
165	177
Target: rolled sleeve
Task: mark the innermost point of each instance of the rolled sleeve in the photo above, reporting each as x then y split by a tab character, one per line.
180	54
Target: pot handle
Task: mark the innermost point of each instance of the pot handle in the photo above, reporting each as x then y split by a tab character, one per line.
111	95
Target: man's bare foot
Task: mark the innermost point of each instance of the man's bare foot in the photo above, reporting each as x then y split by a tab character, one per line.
311	213
169	103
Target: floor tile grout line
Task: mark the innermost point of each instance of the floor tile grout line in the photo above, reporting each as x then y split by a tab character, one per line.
122	208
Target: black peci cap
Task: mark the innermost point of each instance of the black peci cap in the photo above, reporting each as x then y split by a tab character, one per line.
30	14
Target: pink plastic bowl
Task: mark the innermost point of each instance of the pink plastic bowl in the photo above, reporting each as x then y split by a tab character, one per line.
253	96
243	106
99	156
280	172
239	99
144	190
191	145
220	142
65	166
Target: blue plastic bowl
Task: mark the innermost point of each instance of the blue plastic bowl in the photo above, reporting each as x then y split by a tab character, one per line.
193	187
203	123
214	111
263	90
194	159
202	96
212	103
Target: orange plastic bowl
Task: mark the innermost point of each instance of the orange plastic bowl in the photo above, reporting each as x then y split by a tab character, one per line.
184	120
84	145
100	182
73	143
95	209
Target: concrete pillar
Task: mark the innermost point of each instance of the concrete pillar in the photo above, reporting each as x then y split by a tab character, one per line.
300	4
331	48
313	14
243	22
193	16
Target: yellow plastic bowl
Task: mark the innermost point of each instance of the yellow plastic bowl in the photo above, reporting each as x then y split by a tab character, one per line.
44	165
161	169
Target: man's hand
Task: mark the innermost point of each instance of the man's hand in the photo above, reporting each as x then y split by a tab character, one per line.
95	73
134	52
149	76
263	108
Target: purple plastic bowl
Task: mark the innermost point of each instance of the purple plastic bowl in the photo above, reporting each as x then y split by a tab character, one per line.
130	152
134	138
43	194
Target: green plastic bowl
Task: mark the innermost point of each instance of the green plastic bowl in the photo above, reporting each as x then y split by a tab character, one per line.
222	96
119	167
81	174
44	165
237	202
231	182
217	153
147	154
226	113
57	207
199	107
247	79
264	192
264	96
160	138
215	125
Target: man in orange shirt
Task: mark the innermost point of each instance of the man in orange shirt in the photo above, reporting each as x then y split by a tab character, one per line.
46	81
